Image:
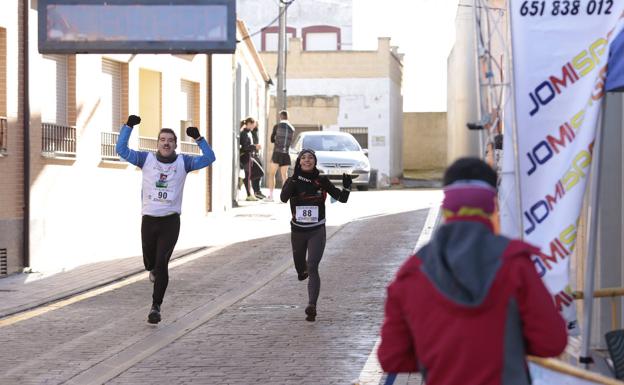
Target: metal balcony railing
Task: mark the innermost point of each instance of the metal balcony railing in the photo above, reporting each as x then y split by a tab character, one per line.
4	132
151	144
108	152
148	144
58	141
189	148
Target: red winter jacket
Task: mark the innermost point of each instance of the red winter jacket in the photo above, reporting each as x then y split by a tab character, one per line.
467	308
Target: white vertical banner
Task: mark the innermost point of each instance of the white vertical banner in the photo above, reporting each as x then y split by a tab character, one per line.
560	51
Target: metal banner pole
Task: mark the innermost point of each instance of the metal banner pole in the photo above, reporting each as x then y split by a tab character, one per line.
592	231
514	127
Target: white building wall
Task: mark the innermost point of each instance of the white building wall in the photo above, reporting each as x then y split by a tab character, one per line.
396	130
364	102
223	130
338	13
84	209
462	88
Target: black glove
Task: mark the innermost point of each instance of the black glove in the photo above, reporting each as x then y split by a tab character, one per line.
193	132
133	120
295	175
346	181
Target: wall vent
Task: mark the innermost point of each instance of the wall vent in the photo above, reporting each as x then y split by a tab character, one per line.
3	261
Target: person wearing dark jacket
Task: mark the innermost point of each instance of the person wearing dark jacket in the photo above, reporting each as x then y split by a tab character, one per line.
469	305
281	137
307	191
247	149
257	164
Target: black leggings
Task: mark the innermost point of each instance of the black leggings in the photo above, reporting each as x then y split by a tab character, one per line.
247	180
312	242
256	185
158	237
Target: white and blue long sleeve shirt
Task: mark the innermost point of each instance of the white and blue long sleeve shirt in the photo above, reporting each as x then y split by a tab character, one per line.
163	183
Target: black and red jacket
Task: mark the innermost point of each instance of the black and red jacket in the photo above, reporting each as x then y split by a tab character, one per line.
310	189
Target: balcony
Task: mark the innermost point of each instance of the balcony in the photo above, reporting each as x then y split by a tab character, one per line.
58	141
151	144
4	132
189	148
107	149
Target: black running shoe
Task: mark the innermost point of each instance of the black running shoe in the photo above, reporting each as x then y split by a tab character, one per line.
302	276
310	313
260	195
154	314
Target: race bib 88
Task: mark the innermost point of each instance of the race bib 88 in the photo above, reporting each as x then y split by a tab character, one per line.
307	214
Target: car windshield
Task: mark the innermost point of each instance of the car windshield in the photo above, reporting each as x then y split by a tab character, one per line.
330	143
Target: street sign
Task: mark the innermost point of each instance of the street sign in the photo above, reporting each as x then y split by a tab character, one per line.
137	26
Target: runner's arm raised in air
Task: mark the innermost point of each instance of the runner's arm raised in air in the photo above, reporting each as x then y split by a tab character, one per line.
192	163
136	158
335	192
289	188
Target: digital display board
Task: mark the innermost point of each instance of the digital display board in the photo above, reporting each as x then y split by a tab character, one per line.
137	26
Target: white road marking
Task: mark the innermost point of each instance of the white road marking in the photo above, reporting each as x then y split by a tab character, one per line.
372	373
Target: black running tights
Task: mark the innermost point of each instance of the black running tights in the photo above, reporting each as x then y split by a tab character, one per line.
312	242
158	237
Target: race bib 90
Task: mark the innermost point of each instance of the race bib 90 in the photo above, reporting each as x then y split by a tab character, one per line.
307	214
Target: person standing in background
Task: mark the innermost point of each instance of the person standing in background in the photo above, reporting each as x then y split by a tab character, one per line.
255	181
282	136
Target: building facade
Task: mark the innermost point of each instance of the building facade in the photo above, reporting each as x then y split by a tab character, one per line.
352	91
322	25
82	203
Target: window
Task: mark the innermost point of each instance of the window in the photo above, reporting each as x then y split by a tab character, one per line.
111	109
58	136
359	133
321	38
270	37
54	88
111	102
189	115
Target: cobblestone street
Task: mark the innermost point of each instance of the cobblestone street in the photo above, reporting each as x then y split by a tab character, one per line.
233	315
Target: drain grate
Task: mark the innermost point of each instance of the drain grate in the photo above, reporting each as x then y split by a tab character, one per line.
3	261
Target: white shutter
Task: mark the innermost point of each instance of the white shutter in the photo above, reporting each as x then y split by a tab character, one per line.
110	107
54	87
188	99
271	40
187	107
321	41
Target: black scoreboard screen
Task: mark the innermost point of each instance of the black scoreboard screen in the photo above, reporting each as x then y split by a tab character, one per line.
137	26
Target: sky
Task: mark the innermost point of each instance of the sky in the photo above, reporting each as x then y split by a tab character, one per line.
424	30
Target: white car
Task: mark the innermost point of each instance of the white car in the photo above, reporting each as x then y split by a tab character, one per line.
336	153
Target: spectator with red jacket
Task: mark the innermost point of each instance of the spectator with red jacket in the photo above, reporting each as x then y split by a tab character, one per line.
469	306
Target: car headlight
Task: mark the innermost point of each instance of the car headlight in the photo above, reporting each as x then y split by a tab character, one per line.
362	165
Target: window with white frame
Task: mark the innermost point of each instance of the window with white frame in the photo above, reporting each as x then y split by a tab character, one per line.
110	108
189	114
112	99
270	38
54	89
321	38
